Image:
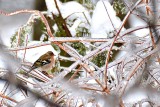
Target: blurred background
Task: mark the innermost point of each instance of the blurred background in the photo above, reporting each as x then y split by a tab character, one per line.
9	24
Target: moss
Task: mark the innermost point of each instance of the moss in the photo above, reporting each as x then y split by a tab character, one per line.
19	40
79	47
100	59
119	7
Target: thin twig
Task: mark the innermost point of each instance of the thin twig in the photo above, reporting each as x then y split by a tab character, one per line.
112	44
109	16
6	97
26	42
64	23
31	11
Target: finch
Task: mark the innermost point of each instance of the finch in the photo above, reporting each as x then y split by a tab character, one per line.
44	62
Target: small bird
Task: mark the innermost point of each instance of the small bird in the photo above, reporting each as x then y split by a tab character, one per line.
44	62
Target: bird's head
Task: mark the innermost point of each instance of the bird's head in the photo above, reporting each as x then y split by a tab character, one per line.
50	53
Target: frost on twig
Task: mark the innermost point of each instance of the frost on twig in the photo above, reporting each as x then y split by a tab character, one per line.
98	61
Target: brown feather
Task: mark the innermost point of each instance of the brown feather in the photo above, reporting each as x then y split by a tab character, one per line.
45	59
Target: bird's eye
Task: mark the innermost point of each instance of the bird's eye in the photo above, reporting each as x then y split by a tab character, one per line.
46	62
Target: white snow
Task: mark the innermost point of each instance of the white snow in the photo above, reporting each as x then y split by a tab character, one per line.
52	7
34	53
72	11
134	21
100	27
100	23
135	95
